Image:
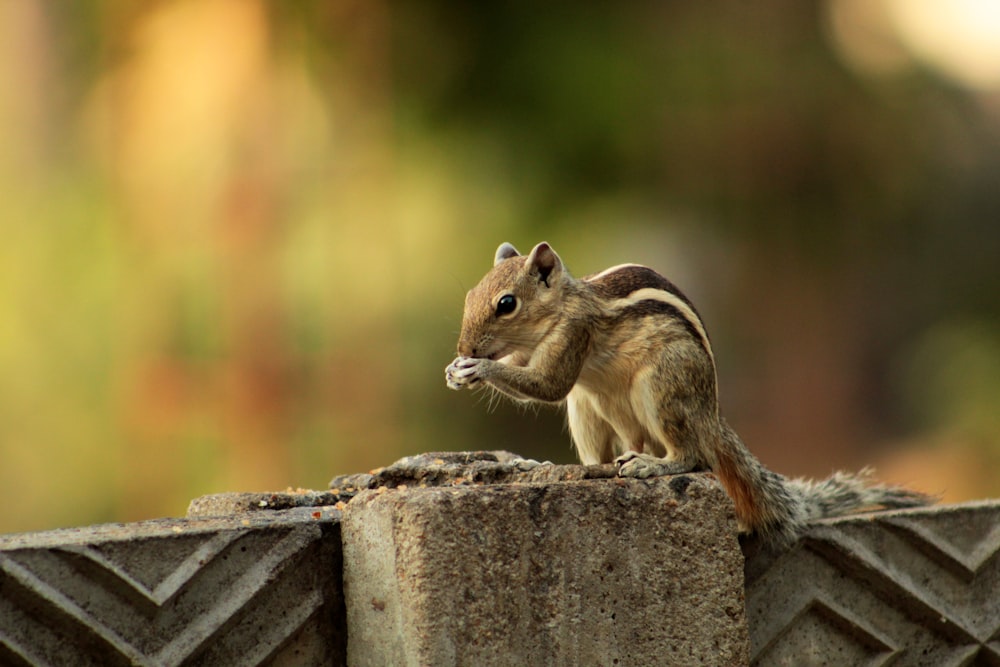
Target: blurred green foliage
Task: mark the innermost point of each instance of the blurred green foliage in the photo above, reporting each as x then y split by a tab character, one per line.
237	234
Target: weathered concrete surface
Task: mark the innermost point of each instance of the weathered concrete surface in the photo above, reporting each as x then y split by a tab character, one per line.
421	470
238	504
262	589
596	572
485	467
913	587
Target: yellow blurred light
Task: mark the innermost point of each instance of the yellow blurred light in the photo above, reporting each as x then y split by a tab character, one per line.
958	38
864	35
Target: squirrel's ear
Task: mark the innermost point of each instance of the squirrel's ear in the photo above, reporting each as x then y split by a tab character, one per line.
544	261
505	251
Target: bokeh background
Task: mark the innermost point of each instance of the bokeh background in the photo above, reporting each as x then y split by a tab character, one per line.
237	234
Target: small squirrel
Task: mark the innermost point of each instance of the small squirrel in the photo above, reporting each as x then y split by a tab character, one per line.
630	355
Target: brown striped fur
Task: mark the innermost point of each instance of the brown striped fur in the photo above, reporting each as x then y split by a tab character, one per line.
629	355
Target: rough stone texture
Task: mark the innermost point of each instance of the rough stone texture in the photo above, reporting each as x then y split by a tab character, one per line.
421	470
230	504
914	587
451	468
258	590
598	572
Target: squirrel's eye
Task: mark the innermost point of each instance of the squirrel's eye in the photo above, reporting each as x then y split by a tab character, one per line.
506	304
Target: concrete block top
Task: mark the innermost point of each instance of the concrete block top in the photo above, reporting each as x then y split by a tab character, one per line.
419	471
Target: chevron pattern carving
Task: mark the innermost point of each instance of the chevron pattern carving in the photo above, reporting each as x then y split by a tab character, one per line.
901	588
175	593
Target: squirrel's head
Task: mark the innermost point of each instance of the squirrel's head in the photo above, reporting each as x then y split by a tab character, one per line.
514	305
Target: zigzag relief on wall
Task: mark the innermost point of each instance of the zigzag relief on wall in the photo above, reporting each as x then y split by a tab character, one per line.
839	632
161	614
180	560
902	590
964	544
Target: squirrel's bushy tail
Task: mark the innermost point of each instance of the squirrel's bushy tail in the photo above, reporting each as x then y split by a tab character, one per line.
843	493
778	509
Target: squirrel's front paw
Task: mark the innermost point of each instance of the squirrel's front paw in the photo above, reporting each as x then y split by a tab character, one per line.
463	372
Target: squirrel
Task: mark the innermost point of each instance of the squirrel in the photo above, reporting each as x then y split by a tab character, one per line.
631	358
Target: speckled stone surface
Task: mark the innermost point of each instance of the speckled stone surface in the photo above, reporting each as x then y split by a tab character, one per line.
262	589
907	588
590	572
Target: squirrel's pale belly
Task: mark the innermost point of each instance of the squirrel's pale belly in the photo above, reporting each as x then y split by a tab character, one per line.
625	401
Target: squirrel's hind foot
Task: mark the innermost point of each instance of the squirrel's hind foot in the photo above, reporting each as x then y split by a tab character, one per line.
642	466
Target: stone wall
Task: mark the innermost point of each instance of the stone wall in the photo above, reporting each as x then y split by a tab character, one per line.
259	589
485	559
920	587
